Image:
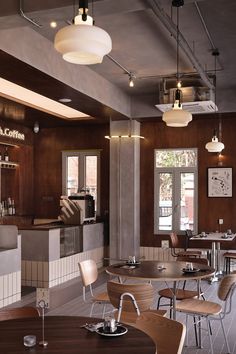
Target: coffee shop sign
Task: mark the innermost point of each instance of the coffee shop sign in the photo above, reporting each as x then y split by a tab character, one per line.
13	134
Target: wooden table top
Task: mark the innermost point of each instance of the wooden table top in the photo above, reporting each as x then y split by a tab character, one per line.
65	336
173	270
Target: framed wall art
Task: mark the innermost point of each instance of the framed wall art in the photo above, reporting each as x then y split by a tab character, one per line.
220	182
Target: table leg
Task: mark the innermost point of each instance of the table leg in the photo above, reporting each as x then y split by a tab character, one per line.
218	270
213	262
174	299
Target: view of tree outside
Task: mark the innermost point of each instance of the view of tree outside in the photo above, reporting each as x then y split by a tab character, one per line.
171	198
91	175
82	173
176	158
165	201
72	174
187	197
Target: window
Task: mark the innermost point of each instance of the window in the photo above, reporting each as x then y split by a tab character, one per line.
81	171
175	185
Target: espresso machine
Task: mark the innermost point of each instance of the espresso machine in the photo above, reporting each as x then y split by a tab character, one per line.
78	208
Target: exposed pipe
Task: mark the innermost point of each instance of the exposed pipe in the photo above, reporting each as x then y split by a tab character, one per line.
213	47
171	27
117	63
26	17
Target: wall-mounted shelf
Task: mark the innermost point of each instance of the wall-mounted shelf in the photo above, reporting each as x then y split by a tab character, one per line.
8	164
8	144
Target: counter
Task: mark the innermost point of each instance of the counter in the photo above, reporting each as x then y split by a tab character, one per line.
10	265
51	252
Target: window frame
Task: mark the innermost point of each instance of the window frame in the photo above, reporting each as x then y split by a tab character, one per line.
81	154
176	193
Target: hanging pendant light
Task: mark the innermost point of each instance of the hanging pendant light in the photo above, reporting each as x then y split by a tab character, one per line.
177	116
215	145
83	43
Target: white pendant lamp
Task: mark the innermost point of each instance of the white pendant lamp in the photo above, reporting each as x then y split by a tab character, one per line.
215	145
83	43
177	116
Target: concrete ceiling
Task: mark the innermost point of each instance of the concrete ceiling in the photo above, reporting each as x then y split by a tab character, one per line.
142	44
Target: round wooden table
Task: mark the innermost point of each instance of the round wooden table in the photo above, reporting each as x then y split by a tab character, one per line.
172	271
66	336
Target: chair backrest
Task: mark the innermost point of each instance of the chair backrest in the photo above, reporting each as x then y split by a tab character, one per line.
226	286
188	235
192	260
88	271
20	312
173	240
167	334
143	294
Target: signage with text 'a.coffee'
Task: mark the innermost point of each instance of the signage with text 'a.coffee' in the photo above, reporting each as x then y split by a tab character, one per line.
12	134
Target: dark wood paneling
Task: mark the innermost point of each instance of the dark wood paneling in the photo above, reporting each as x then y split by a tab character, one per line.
49	144
18	183
196	135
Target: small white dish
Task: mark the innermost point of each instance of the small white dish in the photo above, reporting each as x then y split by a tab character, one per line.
120	331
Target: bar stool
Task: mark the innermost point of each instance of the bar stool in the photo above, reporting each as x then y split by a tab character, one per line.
228	256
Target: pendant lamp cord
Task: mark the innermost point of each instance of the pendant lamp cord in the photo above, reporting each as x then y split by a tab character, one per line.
216	53
177	40
92	10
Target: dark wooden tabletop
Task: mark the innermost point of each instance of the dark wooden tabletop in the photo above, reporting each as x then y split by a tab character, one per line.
150	270
65	336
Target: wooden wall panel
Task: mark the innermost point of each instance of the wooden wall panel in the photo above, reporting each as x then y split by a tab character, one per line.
49	144
196	135
18	183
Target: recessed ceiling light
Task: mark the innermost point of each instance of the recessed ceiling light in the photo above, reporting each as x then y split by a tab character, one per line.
64	100
53	24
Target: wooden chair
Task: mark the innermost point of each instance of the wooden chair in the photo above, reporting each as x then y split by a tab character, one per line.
174	245
19	312
130	300
89	274
167	334
210	310
182	293
228	256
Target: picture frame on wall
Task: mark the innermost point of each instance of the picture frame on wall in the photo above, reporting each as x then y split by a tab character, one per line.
220	182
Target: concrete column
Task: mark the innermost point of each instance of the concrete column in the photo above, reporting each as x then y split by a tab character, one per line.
124	191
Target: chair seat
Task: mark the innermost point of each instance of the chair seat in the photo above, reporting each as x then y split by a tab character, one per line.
130	318
199	307
230	255
102	297
190	253
181	294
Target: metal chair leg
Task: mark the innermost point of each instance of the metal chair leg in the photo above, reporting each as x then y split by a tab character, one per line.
195	330
225	337
103	310
158	302
209	334
91	310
